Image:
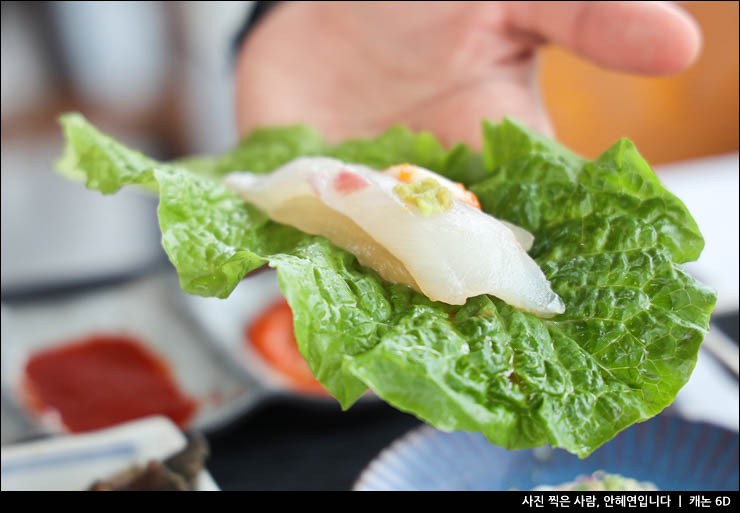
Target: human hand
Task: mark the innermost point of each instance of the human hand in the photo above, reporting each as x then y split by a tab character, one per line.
352	69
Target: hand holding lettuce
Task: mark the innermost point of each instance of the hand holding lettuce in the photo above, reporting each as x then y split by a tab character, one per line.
608	237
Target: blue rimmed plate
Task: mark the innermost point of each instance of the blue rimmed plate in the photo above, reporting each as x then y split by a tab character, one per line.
673	453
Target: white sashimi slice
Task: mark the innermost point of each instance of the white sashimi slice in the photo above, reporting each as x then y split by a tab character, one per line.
448	256
409	172
522	236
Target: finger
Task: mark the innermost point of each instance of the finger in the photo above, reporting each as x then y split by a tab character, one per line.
641	37
455	117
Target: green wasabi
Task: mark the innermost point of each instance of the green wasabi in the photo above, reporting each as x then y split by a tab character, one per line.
427	195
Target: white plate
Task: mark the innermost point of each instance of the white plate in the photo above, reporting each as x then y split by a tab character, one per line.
223	323
74	462
143	309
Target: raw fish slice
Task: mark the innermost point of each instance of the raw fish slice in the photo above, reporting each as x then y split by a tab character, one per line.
287	197
449	256
409	173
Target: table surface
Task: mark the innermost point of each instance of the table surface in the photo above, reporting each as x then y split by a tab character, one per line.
289	446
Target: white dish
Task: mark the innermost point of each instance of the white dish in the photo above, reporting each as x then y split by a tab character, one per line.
142	309
223	323
74	462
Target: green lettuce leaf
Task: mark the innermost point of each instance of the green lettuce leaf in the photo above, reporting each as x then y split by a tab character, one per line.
608	236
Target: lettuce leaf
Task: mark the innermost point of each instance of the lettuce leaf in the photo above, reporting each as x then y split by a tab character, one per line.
608	236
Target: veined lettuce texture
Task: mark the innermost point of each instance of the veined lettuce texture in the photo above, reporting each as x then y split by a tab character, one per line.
608	236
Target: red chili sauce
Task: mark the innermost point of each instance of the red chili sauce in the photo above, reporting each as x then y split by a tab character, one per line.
103	380
272	336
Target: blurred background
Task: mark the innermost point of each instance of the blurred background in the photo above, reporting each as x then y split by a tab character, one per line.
155	74
158	75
